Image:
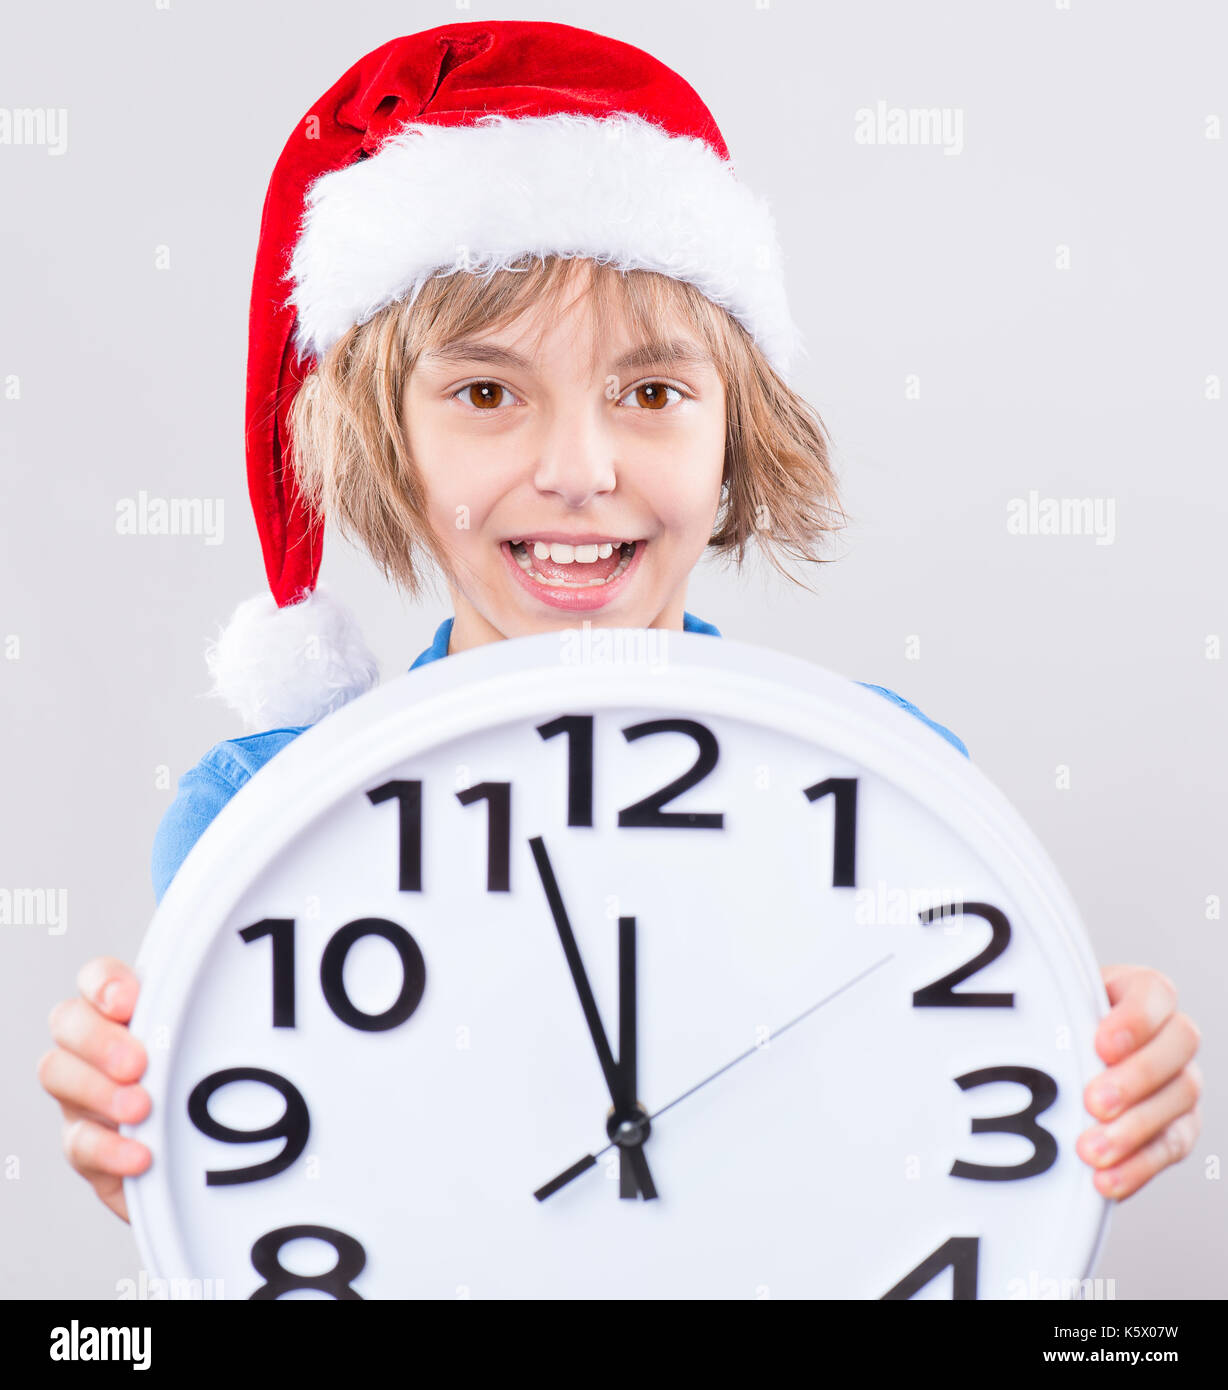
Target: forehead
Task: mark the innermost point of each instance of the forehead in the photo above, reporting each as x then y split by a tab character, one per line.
564	311
497	349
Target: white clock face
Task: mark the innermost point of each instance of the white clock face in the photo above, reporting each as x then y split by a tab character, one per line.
608	999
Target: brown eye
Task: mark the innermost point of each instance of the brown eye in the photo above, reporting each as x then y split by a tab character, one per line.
486	395
652	395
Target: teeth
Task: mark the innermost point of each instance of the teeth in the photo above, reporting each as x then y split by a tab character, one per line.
571	554
520	554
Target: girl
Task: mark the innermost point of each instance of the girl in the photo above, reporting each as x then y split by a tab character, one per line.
547	350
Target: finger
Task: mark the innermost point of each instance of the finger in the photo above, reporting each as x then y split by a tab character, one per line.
1142	1002
110	985
70	1080
77	1112
108	1187
1145	1071
1106	1145
1113	975
73	1112
1174	1144
96	1151
78	1026
110	1192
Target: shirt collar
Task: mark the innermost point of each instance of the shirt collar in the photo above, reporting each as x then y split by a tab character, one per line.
443	634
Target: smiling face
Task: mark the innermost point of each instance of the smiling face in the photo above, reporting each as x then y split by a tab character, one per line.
560	402
545	445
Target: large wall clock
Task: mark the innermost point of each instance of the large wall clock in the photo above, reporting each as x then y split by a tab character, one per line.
669	968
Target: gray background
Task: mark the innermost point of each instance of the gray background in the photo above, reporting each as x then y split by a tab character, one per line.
1083	127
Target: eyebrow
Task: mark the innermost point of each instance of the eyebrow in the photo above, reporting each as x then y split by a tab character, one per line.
676	352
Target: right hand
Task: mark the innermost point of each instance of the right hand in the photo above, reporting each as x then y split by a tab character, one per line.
91	1073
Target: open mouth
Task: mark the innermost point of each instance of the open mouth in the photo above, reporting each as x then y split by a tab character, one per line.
573	567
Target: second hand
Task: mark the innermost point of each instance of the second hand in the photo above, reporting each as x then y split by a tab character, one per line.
590	1160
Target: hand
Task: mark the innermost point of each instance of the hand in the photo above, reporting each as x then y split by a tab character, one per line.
91	1074
1154	1118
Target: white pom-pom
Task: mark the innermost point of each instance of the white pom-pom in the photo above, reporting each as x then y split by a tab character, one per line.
288	667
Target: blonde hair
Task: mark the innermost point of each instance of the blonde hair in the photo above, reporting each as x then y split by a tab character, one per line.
353	463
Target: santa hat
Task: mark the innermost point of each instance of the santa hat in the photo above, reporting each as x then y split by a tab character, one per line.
463	148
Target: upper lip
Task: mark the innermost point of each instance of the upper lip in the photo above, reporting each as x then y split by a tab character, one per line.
583	538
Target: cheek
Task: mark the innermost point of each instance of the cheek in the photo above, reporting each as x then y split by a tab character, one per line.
683	486
462	487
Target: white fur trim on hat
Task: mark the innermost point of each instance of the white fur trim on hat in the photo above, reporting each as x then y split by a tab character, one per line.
288	667
439	199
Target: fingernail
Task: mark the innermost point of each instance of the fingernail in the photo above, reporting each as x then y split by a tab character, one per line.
1111	1185
1123	1040
1107	1099
133	1152
1099	1145
110	996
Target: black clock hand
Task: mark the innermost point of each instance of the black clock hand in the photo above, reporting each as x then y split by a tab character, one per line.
590	1160
629	1123
587	1003
629	1126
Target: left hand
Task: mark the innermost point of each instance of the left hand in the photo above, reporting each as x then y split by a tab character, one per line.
1153	1120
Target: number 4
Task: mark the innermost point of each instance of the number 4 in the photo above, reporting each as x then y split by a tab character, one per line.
961	1253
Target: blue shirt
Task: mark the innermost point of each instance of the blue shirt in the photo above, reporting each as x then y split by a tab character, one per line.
206	788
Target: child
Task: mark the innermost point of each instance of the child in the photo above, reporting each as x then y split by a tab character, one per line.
546	342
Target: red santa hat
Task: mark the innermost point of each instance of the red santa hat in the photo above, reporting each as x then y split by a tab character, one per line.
461	149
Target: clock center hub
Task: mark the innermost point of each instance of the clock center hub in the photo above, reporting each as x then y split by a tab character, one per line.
629	1130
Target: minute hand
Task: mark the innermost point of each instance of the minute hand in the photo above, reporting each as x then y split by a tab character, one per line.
590	1160
615	1080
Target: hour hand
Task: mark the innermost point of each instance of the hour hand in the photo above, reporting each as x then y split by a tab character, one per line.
628	1125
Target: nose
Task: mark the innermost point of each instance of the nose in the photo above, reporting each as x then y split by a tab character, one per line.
576	458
